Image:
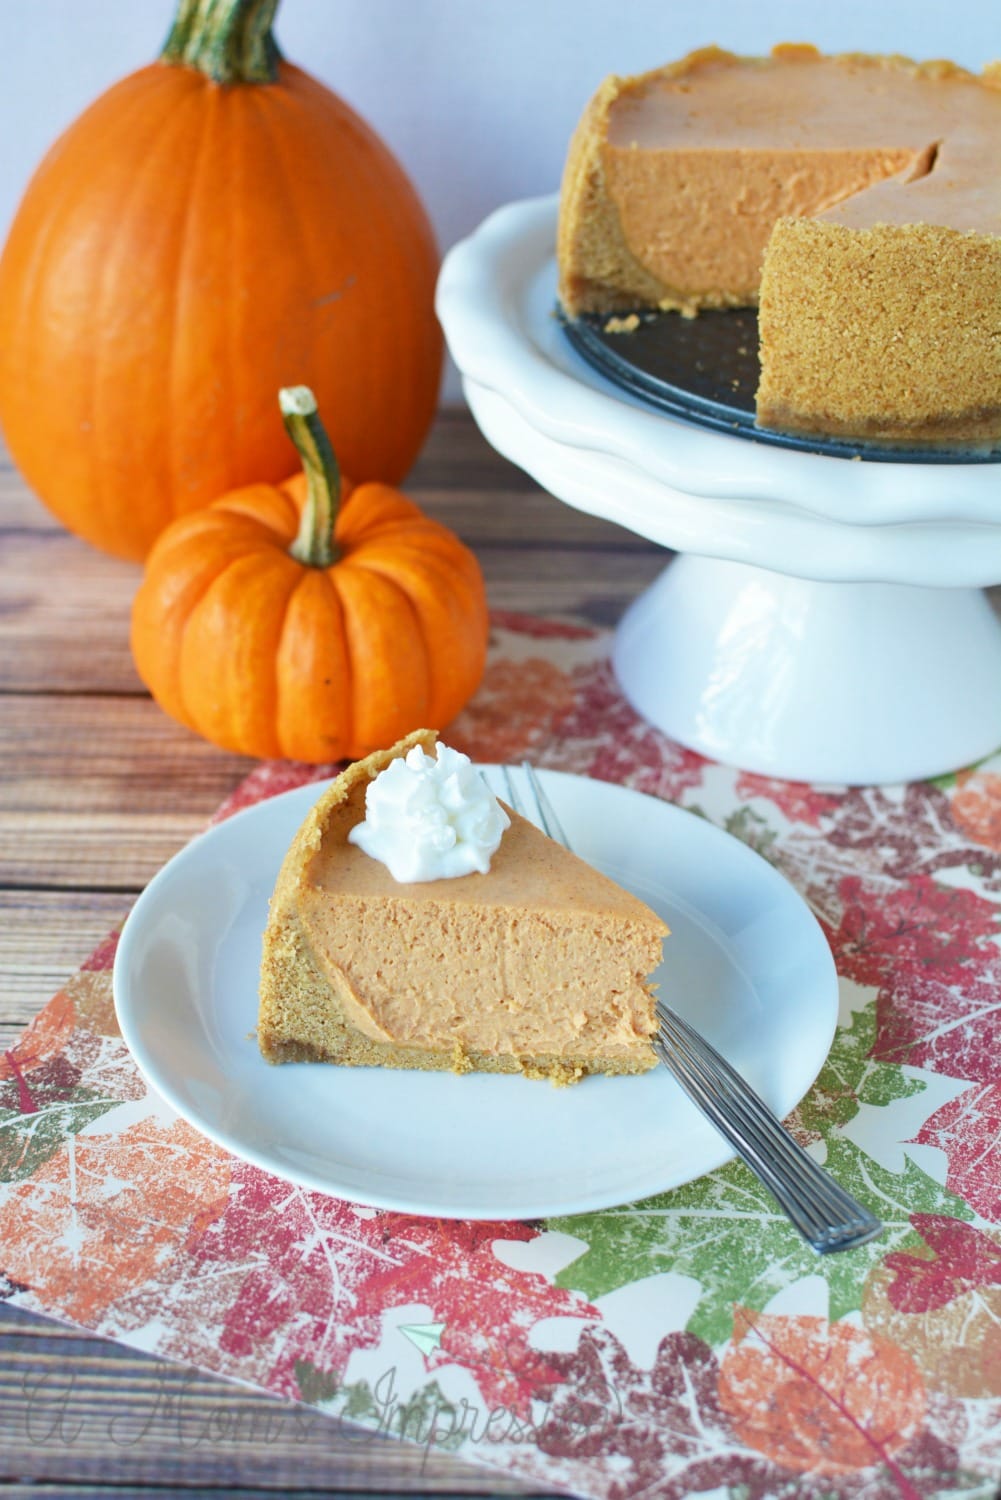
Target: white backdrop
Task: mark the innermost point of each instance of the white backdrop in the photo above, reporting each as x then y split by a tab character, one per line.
476	97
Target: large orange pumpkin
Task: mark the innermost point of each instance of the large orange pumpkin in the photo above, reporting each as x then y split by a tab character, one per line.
219	224
280	622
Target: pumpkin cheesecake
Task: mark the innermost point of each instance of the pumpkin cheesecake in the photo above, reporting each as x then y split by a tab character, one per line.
538	966
855	198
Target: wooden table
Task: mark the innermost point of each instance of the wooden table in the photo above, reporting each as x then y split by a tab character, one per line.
99	788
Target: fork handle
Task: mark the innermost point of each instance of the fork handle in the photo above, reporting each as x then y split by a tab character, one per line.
825	1215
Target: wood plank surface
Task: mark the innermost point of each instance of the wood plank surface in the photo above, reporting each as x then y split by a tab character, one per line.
98	789
78	1409
105	754
44	935
64	607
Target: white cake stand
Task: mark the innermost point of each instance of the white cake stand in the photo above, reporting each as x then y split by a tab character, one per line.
825	619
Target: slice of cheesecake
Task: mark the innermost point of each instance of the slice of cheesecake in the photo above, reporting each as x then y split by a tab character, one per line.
540	966
856	196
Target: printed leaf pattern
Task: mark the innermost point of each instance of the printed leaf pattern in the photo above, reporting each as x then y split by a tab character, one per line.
951	1027
728	1232
797	801
42	1102
869	1375
819	1397
666	1425
602	737
968	1130
963	1259
946	1026
923	928
942	1303
488	728
753	830
104	1213
44	1039
976	809
309	1277
675	1429
904	833
851	1076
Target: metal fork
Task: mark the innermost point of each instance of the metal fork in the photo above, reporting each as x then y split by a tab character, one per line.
825	1215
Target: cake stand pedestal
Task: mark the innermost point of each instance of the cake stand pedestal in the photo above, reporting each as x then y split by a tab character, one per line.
826	620
831	682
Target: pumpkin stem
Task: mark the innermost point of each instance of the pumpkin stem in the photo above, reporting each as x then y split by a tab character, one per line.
230	41
315	543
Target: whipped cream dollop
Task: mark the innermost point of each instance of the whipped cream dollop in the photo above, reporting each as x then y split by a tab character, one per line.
430	818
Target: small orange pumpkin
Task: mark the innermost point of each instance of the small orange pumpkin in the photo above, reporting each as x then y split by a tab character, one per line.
280	622
215	226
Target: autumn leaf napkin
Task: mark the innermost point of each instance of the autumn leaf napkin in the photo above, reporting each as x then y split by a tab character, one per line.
687	1344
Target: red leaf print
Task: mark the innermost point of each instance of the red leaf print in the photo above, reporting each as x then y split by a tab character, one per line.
603	737
932	1019
963	1259
103	956
923	926
799	802
44	1039
488	1308
948	1025
318	1275
904	833
665	1426
820	1397
968	1130
514	710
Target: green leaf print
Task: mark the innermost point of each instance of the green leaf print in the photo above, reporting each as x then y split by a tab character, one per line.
851	1077
726	1230
29	1140
950	779
752	829
426	1417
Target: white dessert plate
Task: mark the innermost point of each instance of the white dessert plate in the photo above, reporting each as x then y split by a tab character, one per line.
746	962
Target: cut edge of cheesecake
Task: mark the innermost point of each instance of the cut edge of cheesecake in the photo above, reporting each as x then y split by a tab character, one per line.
301	1015
597	270
882	332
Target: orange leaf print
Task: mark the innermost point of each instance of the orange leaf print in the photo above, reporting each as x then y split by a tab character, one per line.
45	1037
976	808
93	1002
957	1347
515	708
108	1212
820	1397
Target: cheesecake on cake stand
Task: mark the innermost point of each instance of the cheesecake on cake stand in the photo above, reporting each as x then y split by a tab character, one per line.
825	615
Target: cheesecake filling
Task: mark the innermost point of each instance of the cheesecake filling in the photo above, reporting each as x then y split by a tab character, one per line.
540	966
524	985
523	988
734	145
728	207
